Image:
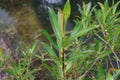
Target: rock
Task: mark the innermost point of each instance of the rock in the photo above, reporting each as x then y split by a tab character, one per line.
29	26
6	20
4	42
12	3
41	9
7	29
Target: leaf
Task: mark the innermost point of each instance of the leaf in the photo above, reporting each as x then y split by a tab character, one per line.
80	10
49	38
117	73
57	72
82	32
29	75
67	10
46	66
109	77
115	7
98	46
106	6
101	73
69	64
101	6
84	6
76	29
105	53
34	47
60	22
97	16
54	23
88	8
82	77
77	55
50	52
66	42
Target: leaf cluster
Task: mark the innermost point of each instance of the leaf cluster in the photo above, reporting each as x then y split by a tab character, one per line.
88	48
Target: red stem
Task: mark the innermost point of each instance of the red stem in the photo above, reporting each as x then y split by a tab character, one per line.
63	63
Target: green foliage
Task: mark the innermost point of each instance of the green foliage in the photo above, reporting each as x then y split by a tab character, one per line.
54	24
20	69
87	53
83	54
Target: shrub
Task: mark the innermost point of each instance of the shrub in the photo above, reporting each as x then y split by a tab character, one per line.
86	52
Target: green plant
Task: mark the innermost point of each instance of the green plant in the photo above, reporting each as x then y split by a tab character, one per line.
21	69
64	61
107	18
83	54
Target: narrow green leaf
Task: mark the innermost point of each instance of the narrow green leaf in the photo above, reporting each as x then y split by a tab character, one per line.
66	42
76	29
80	10
106	6
82	77
29	74
82	32
46	66
109	77
84	6
54	23
60	22
49	38
34	47
67	10
101	6
98	46
104	53
50	52
98	16
77	55
68	65
101	74
115	7
88	8
117	73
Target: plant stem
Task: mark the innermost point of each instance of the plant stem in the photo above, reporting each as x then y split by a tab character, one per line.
63	63
112	49
75	70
